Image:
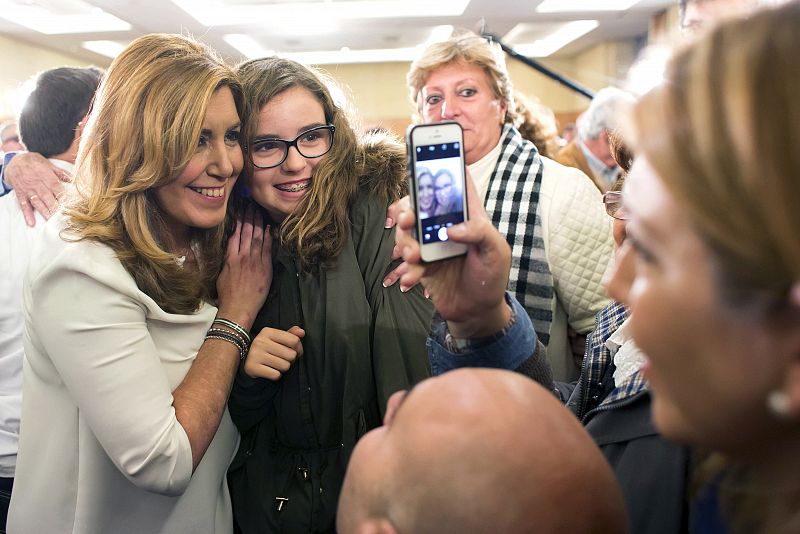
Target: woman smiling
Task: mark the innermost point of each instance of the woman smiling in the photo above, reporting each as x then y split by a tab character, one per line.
128	361
333	344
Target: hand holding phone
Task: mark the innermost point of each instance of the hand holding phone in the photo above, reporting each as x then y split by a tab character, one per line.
467	290
437	186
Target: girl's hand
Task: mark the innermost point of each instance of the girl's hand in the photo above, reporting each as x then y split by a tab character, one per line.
273	351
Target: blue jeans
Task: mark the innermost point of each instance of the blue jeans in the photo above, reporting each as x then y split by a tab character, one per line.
5	498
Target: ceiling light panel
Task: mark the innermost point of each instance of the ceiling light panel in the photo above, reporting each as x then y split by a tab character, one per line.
346	55
564	6
439	34
105	48
247	46
220	13
559	36
61	17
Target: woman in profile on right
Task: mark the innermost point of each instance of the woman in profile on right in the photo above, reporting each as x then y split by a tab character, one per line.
713	213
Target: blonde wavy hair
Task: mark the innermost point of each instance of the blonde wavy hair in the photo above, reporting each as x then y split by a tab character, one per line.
723	133
316	231
470	48
142	131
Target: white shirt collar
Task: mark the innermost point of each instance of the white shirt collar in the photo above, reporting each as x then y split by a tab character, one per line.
609	174
627	357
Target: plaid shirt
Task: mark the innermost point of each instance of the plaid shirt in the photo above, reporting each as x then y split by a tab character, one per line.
512	202
589	394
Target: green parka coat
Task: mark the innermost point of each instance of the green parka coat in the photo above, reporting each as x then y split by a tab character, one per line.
363	342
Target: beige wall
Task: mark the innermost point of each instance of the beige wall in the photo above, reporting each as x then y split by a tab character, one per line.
379	93
19	61
378	90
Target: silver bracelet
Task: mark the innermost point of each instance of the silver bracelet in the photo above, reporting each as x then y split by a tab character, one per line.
230	338
230	324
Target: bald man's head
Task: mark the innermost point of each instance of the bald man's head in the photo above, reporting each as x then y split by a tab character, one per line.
479	450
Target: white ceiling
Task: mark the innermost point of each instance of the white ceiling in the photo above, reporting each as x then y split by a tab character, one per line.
290	26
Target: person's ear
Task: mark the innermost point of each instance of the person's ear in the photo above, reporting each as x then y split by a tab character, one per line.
784	402
79	129
392	405
502	108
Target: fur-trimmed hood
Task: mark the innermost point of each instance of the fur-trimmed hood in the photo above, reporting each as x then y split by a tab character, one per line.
383	165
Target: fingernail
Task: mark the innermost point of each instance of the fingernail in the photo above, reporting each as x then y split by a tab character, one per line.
389	222
387	282
426	293
404	289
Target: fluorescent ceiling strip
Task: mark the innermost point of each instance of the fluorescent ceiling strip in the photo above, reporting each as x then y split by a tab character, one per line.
252	49
558	39
563	6
249	47
216	13
324	57
36	18
439	34
105	48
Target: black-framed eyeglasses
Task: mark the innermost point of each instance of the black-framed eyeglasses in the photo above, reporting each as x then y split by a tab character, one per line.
613	203
268	152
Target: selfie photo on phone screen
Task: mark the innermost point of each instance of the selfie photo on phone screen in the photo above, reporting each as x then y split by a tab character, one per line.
437	186
440	193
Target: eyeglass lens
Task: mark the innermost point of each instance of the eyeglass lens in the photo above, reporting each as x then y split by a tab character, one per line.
613	203
312	143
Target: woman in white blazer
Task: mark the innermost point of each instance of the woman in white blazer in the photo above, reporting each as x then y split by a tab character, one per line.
128	361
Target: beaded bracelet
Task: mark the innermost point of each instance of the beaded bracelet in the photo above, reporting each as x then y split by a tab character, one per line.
233	333
230	324
231	339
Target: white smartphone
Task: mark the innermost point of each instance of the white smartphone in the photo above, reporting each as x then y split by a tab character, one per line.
437	186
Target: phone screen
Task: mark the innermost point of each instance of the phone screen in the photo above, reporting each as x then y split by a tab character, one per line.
440	194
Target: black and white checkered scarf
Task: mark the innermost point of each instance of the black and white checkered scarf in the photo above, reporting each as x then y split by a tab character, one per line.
512	202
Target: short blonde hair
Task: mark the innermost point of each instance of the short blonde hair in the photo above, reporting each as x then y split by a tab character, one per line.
470	48
142	132
723	133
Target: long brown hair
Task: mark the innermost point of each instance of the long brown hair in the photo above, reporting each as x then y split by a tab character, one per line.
316	231
142	132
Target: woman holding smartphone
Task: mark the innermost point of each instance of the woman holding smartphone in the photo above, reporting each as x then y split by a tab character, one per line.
128	361
334	344
557	270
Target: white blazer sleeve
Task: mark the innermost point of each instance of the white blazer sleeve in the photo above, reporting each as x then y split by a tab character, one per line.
96	337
